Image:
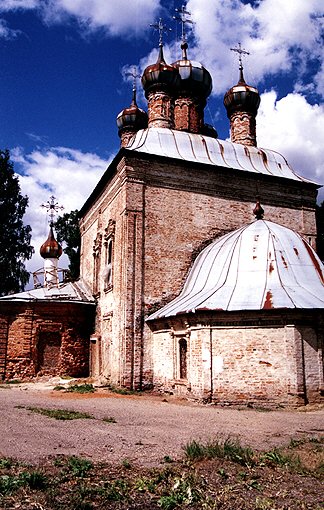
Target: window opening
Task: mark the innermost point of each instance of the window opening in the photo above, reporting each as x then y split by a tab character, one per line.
183	358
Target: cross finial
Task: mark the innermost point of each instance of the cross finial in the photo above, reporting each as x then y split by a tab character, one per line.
161	28
183	17
52	208
134	74
240	52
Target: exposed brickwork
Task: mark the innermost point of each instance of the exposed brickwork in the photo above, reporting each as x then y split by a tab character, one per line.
126	136
275	364
188	115
164	213
160	110
243	128
45	339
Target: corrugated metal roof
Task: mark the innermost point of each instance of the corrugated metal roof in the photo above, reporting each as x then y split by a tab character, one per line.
75	292
212	151
260	266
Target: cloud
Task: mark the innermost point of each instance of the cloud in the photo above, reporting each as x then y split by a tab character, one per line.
6	32
68	174
126	18
294	128
281	36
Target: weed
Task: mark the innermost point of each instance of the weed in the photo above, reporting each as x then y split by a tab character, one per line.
123	391
223	473
78	466
59	388
81	388
263	504
184	490
167	459
36	480
254	484
229	449
6	463
60	414
109	419
145	484
126	464
13	381
117	491
276	457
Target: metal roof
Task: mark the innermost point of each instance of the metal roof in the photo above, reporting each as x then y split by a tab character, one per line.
75	292
212	151
257	267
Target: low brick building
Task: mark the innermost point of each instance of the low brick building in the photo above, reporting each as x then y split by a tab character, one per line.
46	330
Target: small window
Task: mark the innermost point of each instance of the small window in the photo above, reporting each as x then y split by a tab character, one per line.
183	358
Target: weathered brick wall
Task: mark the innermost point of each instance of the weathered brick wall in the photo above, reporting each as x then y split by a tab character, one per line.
272	365
164	215
243	128
46	339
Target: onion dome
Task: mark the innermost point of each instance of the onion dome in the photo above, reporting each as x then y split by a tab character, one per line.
261	266
195	79
160	76
242	97
209	130
51	249
133	117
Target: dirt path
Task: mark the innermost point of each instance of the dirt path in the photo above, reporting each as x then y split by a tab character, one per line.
147	428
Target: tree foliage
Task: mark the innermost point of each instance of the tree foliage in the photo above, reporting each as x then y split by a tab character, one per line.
68	232
15	237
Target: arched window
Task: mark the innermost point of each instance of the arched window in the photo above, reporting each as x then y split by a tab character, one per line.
183	347
109	253
96	262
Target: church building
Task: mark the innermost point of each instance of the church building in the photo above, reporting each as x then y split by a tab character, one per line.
199	275
194	295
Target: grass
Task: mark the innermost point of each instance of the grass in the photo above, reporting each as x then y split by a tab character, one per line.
76	388
60	414
219	474
122	391
225	449
109	419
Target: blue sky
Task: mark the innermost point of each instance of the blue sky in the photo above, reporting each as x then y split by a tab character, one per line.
62	84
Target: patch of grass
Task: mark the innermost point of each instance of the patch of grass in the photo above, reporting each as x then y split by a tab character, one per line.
122	391
75	388
36	480
13	381
126	464
229	449
79	466
109	419
167	459
276	457
6	463
9	484
117	491
60	414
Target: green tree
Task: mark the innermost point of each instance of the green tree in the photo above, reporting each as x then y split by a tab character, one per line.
15	237
320	230
68	232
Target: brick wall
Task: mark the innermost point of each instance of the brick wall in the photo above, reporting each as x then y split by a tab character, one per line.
232	364
45	339
164	215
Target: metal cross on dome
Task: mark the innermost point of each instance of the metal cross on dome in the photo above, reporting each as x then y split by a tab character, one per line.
162	29
183	17
52	208
240	52
134	74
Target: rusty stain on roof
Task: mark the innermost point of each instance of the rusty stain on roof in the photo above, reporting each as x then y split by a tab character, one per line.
212	151
223	277
268	304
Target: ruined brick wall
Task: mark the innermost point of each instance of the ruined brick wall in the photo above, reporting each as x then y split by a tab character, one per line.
46	339
279	364
164	215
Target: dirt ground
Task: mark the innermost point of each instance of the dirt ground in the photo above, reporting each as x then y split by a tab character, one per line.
141	428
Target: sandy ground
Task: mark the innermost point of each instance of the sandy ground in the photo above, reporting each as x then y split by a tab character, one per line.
147	427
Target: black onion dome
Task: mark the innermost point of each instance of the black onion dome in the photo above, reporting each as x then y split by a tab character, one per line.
195	79
242	97
51	249
160	76
132	117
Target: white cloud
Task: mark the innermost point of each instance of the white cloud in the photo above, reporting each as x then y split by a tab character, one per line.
294	128
68	174
125	18
279	35
6	32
